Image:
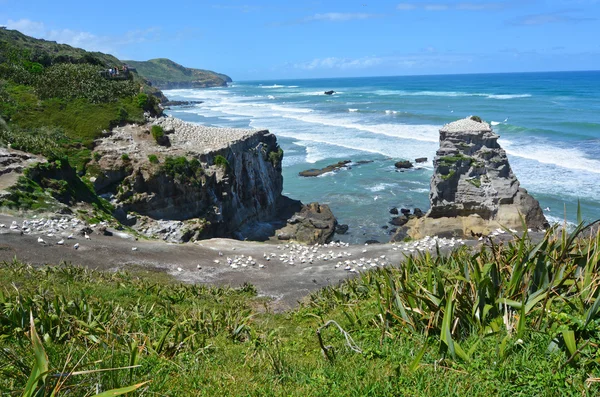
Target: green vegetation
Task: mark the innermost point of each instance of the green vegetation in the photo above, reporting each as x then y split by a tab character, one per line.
520	318
164	73
183	170
125	157
475	181
449	175
221	161
450	161
157	133
476	118
44	185
276	157
153	158
56	102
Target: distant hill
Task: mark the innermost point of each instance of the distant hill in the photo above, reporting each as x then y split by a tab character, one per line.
166	74
49	52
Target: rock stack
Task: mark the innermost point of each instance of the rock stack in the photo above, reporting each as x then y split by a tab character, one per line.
473	189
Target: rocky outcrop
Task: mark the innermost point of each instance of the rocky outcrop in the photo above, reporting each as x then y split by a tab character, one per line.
313	224
473	188
211	182
321	171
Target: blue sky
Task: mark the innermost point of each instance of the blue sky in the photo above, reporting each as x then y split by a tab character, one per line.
251	40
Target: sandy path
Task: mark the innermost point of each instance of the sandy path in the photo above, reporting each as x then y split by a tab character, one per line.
285	282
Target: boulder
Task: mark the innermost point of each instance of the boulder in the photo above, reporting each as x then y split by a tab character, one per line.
313	224
399	220
421	160
330	92
405	164
473	188
341	229
394	211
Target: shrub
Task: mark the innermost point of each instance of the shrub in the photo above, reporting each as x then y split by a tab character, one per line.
476	118
153	158
142	100
182	169
157	132
97	156
125	157
221	161
275	157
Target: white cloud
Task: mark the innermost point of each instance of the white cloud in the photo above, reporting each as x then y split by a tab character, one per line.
339	16
85	40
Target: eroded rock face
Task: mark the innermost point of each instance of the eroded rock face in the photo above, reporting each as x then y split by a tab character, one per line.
223	179
473	188
313	224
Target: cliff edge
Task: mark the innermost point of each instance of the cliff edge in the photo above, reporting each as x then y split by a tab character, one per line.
473	189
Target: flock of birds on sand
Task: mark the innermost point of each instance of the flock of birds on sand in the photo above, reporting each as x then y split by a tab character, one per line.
337	253
58	231
50	230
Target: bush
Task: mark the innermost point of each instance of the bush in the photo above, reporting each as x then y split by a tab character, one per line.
182	169
142	100
97	156
153	158
157	133
276	157
125	157
476	118
221	161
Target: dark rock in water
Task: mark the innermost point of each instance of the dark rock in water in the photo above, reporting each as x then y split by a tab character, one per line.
369	242
421	160
313	224
341	229
418	213
394	211
405	211
360	162
385	227
330	92
399	220
329	168
403	164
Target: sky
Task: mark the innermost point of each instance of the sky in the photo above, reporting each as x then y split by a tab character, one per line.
267	39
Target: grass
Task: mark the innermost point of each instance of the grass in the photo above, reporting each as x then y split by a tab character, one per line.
513	319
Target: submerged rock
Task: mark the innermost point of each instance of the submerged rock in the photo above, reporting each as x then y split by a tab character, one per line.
473	189
330	92
321	171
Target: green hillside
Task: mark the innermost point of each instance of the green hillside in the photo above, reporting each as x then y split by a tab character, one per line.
49	52
166	74
55	100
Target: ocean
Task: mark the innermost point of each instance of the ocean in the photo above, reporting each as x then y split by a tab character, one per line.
549	125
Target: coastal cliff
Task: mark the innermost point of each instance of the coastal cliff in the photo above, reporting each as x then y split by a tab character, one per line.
213	180
473	189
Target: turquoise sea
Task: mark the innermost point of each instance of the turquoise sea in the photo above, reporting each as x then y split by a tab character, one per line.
549	124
